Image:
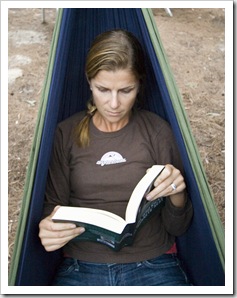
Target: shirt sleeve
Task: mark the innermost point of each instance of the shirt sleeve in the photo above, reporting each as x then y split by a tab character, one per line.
176	220
58	185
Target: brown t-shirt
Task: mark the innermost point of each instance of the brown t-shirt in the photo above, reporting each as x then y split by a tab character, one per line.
103	176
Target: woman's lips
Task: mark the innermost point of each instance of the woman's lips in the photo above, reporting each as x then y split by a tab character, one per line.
114	114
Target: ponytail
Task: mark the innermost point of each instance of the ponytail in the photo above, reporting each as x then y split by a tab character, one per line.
82	129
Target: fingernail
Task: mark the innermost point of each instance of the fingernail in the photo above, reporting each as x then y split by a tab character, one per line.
148	198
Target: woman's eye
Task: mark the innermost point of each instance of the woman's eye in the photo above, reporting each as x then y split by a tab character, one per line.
126	91
101	89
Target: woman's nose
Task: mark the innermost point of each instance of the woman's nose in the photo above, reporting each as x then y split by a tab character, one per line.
114	101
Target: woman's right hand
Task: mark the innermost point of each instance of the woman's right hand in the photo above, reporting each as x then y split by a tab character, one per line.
55	235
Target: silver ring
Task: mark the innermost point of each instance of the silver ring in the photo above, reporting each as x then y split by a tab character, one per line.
174	186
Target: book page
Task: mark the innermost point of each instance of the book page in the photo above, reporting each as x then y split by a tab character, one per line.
139	192
101	218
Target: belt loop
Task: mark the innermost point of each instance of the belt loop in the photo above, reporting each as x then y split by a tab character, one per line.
139	264
76	264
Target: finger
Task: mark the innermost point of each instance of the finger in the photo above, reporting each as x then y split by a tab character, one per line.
62	232
54	210
163	176
59	239
54	245
48	225
63	236
177	186
165	187
49	229
53	226
57	226
168	172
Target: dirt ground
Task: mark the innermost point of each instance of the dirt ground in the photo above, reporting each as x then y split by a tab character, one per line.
195	44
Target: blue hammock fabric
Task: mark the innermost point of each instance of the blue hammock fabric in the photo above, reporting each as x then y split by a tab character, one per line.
68	94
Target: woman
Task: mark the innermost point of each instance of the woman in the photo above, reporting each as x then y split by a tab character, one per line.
114	126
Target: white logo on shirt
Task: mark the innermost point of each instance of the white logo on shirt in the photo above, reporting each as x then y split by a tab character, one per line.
110	158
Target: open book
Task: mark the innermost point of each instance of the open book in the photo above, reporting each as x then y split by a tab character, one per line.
108	228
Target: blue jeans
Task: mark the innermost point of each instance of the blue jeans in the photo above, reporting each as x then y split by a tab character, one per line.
162	271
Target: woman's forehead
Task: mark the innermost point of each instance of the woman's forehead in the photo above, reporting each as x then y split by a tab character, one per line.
121	77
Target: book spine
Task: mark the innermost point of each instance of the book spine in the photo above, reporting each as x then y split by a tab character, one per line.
147	210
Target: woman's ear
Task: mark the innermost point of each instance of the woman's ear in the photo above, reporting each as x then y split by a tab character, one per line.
89	82
90	85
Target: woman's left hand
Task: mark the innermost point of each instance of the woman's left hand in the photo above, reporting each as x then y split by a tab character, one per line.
169	183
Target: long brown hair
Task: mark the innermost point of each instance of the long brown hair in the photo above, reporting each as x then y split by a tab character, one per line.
110	51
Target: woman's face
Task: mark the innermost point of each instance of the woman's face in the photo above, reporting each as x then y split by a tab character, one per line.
114	94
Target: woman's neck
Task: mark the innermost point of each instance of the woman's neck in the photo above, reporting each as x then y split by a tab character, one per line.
108	126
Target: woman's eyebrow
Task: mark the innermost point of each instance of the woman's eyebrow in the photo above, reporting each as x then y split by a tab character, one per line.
101	86
123	88
128	87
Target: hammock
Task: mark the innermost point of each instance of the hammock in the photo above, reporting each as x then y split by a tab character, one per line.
65	92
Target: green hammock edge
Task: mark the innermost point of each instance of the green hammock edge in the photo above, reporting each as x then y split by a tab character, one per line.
190	144
30	175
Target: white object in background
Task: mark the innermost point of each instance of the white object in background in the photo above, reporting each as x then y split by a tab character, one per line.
168	11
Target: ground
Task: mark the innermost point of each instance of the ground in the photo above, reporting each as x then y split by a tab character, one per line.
194	41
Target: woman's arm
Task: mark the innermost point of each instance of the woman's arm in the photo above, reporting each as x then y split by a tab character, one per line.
178	211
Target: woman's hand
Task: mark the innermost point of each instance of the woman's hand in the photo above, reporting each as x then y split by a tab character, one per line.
169	183
55	235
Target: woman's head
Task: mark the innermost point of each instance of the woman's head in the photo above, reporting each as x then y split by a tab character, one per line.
115	50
